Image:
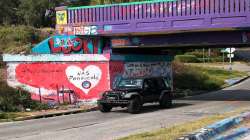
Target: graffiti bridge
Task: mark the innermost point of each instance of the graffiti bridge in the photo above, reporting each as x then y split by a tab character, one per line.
96	46
161	17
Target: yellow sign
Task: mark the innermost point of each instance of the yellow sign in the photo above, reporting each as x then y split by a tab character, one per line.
61	17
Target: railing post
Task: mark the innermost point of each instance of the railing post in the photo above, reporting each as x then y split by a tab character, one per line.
63	93
69	97
58	96
40	96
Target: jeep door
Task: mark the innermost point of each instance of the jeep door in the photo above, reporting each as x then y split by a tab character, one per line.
149	90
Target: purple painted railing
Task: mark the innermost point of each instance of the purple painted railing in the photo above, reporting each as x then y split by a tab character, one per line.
162	16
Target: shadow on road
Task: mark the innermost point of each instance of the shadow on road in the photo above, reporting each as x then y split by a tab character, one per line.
222	95
147	108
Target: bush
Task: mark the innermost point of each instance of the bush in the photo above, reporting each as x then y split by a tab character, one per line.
198	54
14	39
12	100
215	52
212	59
3	115
1	64
194	78
186	58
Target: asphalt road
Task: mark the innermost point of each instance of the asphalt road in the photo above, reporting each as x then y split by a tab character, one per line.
119	123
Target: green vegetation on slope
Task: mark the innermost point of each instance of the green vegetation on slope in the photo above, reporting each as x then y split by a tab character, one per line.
40	13
13	100
201	78
19	39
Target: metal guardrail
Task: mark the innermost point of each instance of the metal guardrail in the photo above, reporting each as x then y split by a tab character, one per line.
155	16
158	9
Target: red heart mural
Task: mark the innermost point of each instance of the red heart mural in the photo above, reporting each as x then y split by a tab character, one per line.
87	79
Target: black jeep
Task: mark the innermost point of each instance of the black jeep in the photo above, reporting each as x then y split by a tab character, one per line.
134	92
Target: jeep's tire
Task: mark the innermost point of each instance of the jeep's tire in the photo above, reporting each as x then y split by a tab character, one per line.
166	101
104	107
134	105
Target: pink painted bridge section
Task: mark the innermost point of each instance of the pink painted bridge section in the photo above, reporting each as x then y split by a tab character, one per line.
154	17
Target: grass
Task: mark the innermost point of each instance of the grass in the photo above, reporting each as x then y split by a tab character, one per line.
10	116
177	131
18	39
220	74
203	78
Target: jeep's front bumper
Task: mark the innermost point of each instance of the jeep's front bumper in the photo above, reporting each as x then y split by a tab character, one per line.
113	102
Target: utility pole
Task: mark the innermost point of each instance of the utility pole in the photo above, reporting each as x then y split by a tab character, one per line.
223	57
209	54
203	54
230	59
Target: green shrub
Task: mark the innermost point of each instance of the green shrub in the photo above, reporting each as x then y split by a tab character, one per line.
195	78
186	58
212	59
3	115
14	39
12	100
198	54
1	63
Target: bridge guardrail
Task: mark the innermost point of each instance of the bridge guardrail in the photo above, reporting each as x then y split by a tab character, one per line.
137	16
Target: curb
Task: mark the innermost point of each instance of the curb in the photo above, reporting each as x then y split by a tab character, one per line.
235	134
48	115
239	81
204	92
217	128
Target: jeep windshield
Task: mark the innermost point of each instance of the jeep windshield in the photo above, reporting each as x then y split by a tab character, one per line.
130	83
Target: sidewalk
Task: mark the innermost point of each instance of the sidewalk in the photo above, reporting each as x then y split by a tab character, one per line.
65	110
227	129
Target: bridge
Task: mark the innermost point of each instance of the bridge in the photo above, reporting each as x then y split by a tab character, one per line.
95	46
160	17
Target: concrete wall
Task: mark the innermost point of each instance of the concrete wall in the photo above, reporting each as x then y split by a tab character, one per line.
45	76
54	74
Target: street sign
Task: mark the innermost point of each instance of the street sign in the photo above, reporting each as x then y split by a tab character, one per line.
230	50
230	55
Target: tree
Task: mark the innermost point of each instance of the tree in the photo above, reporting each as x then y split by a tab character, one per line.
40	13
37	13
8	11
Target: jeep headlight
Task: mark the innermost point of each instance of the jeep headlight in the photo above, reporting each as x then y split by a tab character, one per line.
123	94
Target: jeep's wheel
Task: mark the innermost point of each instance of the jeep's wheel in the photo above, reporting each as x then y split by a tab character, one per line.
166	101
134	105
104	107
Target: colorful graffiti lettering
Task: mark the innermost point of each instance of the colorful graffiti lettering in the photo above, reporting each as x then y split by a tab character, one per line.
86	30
120	42
139	69
85	79
65	45
61	17
69	44
125	41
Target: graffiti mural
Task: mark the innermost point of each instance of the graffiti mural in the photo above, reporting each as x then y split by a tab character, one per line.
86	30
87	80
125	41
119	70
67	44
61	17
147	69
62	44
86	75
